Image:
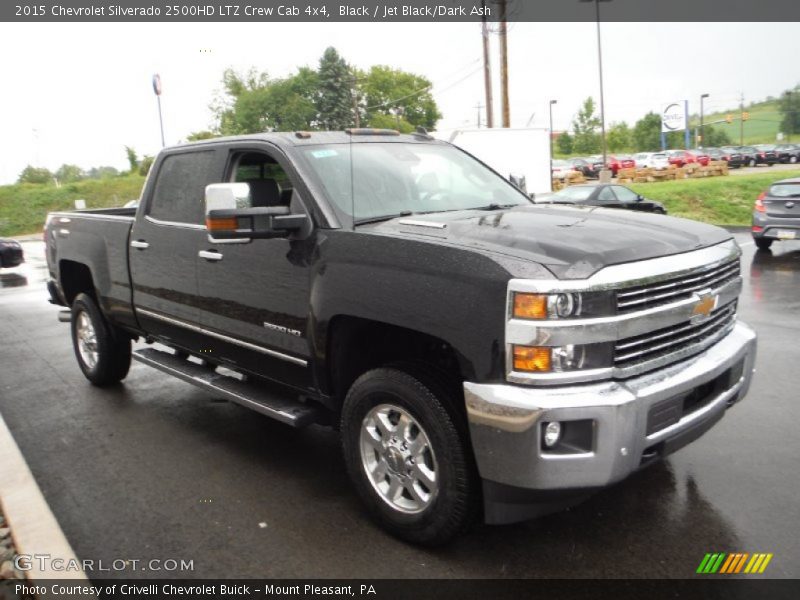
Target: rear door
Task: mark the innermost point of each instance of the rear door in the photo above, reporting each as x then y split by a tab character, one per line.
164	241
254	294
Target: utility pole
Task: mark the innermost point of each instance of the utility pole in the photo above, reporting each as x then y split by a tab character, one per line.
157	92
741	120
504	65
551	135
479	106
354	97
702	125
487	68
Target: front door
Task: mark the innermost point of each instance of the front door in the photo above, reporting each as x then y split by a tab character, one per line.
254	294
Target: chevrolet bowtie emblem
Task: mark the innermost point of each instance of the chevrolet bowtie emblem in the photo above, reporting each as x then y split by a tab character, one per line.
706	304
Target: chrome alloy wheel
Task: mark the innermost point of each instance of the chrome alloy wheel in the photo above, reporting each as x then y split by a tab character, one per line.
87	340
398	459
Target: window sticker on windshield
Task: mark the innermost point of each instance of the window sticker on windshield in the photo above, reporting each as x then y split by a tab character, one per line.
323	153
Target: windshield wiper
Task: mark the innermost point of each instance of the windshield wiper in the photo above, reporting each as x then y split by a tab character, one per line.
405	213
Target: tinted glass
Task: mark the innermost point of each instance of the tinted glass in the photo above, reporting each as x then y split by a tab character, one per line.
574	194
179	195
379	179
607	195
624	194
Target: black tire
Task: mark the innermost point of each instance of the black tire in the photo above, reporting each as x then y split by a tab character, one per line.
455	503
763	243
112	346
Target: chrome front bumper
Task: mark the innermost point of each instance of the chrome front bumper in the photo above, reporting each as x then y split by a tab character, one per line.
505	420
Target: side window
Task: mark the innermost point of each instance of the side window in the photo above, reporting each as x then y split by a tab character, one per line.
606	195
269	183
180	187
624	194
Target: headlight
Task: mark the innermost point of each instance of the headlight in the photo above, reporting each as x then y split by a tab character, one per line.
562	305
559	359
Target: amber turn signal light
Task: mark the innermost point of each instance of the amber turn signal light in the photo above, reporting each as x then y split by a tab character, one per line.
531	358
224	224
530	306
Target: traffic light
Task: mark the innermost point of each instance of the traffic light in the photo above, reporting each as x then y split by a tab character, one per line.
729	119
745	116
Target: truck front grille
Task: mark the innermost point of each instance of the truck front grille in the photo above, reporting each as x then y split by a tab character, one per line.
680	340
671	290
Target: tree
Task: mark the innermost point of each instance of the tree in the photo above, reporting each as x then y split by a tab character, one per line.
256	103
585	126
145	164
789	106
69	173
31	174
197	136
713	138
387	90
334	96
647	133
619	137
564	142
102	172
133	159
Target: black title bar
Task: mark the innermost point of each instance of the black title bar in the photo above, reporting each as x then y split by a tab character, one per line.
393	11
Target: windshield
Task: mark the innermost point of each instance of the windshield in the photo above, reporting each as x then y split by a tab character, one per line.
573	194
391	179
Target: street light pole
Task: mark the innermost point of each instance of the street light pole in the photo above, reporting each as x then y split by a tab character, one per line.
551	135
602	95
702	130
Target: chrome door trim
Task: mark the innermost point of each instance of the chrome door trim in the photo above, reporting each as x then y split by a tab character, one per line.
224	338
173	223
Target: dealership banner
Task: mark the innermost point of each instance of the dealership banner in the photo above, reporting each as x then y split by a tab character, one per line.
277	11
674	117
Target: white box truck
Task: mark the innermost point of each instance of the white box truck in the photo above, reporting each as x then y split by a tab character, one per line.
523	152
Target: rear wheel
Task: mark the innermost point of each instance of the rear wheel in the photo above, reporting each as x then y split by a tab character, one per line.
751	163
103	351
408	460
763	243
793	159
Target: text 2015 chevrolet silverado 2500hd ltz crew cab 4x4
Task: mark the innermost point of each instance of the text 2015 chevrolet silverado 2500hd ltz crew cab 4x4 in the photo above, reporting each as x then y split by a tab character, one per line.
477	351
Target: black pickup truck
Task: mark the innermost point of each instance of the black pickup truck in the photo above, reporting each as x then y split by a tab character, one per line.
479	353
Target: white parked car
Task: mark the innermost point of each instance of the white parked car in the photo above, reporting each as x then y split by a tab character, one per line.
652	160
561	169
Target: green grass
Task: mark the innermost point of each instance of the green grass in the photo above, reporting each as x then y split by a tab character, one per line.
717	200
24	206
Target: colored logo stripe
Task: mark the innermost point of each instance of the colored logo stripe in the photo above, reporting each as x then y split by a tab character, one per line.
720	562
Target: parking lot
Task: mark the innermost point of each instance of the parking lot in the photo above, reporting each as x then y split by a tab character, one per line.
155	469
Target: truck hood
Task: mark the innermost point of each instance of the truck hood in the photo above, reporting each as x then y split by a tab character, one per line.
573	242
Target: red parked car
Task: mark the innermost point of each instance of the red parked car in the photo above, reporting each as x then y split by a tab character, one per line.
615	163
679	158
700	157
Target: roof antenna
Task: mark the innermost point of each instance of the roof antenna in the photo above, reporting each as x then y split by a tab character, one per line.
422	132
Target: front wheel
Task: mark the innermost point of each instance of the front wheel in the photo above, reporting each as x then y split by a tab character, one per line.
103	352
752	163
407	458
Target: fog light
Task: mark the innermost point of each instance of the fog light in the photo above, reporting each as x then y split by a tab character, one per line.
552	433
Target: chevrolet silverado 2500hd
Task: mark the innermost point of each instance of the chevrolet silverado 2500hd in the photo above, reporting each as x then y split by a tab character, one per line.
478	352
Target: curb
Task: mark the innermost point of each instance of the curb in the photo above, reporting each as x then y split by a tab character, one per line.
34	529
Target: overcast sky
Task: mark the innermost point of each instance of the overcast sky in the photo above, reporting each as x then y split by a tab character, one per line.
78	93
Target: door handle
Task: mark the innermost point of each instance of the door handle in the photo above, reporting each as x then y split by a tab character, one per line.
139	244
210	254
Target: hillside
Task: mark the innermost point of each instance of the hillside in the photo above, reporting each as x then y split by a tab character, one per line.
24	206
761	128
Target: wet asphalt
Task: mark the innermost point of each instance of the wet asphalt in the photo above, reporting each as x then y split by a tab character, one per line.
155	469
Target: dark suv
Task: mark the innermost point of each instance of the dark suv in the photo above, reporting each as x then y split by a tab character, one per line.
776	214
